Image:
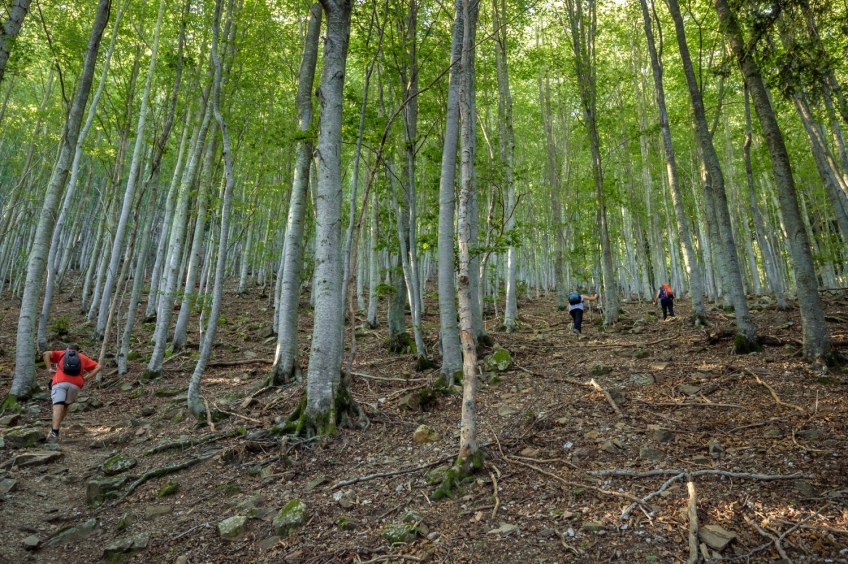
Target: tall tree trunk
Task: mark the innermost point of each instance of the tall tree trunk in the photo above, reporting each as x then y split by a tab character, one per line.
814	328
327	397
22	384
746	332
17	12
690	262
448	331
286	366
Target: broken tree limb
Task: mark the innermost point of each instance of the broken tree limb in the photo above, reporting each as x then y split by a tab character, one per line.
224	364
344	483
158	473
774	394
773	538
626	513
625	495
607	395
497	498
692	512
191	442
369	376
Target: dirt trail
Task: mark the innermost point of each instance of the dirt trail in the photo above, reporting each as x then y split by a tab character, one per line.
684	404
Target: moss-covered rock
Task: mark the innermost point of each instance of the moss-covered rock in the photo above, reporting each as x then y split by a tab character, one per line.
498	361
232	528
290	517
399	533
601	369
169	489
425	434
117	464
23	437
99	490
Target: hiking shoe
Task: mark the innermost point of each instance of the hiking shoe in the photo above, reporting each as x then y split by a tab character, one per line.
52	438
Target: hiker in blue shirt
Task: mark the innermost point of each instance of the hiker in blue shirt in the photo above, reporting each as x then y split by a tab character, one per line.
575	308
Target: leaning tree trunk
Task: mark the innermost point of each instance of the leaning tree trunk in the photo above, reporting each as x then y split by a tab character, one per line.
746	332
448	333
23	382
327	396
286	366
690	260
814	328
17	12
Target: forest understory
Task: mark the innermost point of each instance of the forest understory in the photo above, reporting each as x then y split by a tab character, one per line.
762	438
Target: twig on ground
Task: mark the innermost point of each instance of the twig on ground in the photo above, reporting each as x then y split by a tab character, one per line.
566	545
821	527
209	416
760	424
224	364
780	537
246	418
625	515
625	495
393	557
343	483
363	375
607	395
773	538
690	404
497	498
190	442
187	531
249	399
692	512
774	394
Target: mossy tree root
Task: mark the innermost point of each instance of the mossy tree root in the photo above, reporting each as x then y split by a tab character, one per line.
744	345
10	404
462	471
346	413
401	343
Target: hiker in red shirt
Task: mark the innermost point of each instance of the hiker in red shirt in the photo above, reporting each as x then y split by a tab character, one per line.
72	370
665	295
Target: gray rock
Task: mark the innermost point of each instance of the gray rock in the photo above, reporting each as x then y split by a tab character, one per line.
127	388
547	533
232	527
10	420
23	437
7	485
425	434
32	542
151	512
98	490
125	547
73	534
249	504
610	447
290	517
409	402
268	543
810	434
715	536
805	488
498	361
347	524
148	410
117	464
642	379
689	390
702	460
773	433
399	533
504	529
600	369
319	481
37	458
506	411
660	435
716	450
648	453
591	527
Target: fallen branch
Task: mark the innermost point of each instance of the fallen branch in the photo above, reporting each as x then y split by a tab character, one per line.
363	375
774	539
393	557
224	364
187	531
344	483
710	472
251	419
191	442
158	473
497	498
690	404
667	484
607	395
544	461
774	394
249	399
692	512
209	416
625	495
780	537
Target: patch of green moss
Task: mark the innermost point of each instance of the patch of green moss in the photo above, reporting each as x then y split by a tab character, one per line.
133	355
743	345
169	489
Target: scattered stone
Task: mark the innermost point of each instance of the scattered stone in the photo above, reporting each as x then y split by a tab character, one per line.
601	369
346	524
23	437
232	527
99	490
425	434
506	411
591	527
123	548
10	420
178	417
689	389
266	332
151	512
498	361
117	464
773	433
702	460
660	434
591	435
504	529
73	534
268	543
401	533
547	533
168	392
648	453
637	330
805	488
659	366
716	450
248	505
641	353
148	410
320	480
715	536
347	499
32	542
409	402
290	517
169	489
810	434
611	447
642	379
127	388
7	485
37	458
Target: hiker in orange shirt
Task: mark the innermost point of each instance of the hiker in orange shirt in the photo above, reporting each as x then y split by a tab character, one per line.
72	370
665	295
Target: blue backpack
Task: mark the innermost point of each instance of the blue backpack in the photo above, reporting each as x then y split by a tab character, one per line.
575	298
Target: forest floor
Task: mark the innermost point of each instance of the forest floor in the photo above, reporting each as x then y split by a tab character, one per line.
680	402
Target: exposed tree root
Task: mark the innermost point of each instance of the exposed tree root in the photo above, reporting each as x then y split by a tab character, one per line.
211	438
158	473
343	413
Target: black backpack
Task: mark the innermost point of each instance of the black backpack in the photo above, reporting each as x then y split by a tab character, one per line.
72	365
575	298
